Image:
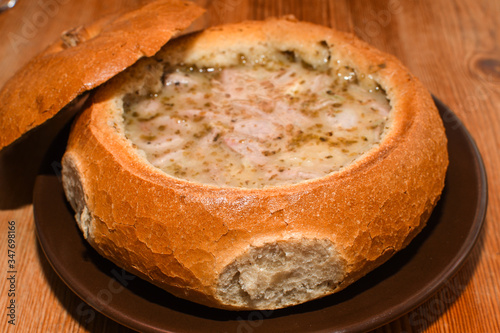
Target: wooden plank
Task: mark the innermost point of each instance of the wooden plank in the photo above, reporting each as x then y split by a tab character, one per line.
452	46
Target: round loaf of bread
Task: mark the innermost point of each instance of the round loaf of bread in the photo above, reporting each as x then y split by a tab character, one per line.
85	57
256	165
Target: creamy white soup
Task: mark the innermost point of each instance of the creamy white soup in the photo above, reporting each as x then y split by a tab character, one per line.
256	124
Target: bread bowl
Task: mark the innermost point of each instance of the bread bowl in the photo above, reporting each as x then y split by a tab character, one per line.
247	237
83	58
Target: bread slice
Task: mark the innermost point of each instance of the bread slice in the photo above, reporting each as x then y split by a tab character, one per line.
275	244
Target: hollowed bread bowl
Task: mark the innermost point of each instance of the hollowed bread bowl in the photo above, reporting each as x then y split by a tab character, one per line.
272	245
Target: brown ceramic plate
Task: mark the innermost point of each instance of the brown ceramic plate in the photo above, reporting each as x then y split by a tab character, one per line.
395	288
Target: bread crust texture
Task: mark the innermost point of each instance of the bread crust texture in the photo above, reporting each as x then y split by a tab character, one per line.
85	57
200	241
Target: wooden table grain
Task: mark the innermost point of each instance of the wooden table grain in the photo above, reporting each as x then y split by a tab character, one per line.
452	46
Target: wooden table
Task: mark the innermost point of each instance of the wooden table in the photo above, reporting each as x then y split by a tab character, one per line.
452	46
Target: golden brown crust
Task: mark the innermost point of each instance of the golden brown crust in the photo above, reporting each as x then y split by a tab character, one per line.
84	58
182	235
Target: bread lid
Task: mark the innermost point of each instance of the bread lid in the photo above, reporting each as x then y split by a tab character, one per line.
84	58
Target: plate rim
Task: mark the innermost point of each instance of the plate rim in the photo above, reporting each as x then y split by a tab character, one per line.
384	316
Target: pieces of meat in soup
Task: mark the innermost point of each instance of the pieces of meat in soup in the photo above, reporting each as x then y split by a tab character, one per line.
256	124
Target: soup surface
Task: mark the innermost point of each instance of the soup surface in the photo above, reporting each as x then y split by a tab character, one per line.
256	124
